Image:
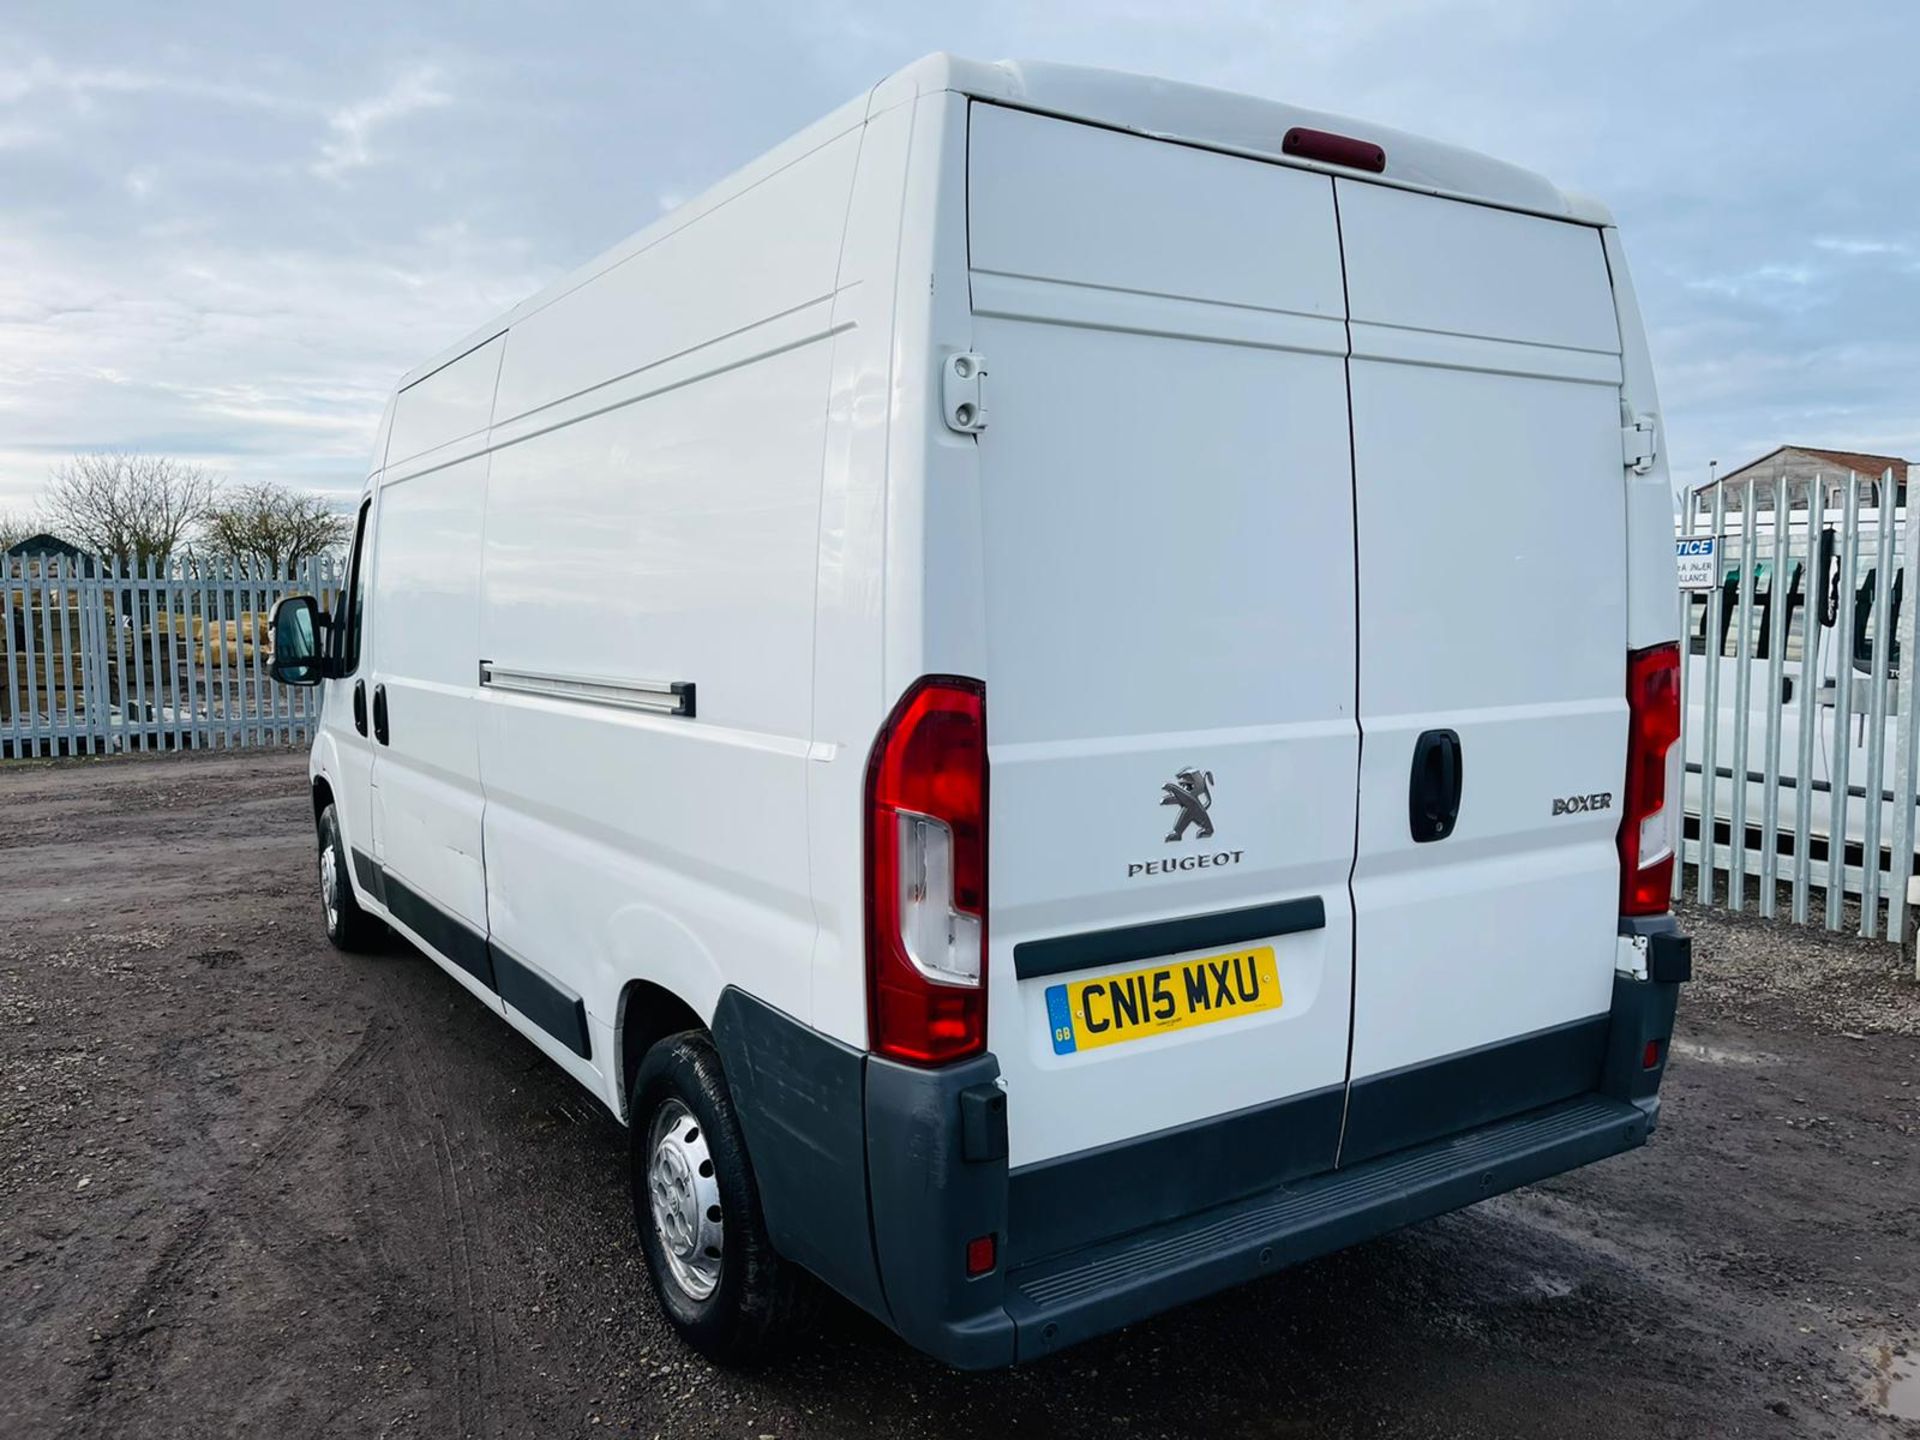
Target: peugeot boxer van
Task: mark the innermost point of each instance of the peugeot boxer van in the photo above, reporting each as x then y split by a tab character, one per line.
1061	694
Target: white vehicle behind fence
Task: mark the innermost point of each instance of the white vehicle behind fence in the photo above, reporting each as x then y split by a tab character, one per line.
1795	656
870	677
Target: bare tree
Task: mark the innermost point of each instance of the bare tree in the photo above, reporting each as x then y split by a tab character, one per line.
14	527
126	508
272	526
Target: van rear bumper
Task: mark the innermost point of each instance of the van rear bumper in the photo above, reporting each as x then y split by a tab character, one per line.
1073	1297
875	1176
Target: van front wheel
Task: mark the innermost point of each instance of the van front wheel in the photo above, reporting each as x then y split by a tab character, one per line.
348	926
717	1276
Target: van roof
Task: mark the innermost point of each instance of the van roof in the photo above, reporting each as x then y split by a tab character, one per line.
1162	109
1242	124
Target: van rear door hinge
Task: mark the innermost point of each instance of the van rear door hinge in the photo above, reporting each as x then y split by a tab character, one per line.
1636	444
963	392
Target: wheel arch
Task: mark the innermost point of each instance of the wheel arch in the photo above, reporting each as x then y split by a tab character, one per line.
647	1012
323	766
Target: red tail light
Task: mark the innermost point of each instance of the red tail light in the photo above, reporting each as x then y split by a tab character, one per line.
927	875
1647	827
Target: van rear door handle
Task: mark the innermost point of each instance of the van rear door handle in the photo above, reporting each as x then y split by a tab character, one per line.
1433	792
360	706
380	713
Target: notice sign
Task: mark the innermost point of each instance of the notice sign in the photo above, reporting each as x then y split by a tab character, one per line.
1699	560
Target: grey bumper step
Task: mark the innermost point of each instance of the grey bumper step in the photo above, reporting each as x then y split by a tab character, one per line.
1066	1298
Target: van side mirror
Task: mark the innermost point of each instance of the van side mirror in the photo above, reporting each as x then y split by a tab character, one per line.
298	658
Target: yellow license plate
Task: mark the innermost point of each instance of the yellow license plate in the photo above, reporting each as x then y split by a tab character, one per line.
1086	1014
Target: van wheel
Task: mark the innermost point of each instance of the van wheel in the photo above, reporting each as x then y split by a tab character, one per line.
348	926
716	1273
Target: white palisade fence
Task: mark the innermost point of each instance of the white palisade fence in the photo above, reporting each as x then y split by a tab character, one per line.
1798	703
97	658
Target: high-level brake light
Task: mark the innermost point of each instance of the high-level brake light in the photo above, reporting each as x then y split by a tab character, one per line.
1331	149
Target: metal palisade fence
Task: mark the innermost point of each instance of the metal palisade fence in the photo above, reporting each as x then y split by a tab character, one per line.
98	658
1798	700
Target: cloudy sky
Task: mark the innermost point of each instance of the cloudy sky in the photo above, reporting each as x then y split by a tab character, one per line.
225	229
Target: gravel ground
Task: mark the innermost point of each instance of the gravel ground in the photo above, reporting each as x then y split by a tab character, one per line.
251	1187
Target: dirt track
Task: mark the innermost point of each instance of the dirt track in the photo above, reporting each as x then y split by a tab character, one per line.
249	1187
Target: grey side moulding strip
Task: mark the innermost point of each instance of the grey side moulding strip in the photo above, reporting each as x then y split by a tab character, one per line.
555	1009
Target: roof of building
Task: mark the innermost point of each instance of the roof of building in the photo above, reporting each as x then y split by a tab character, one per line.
1858	461
45	544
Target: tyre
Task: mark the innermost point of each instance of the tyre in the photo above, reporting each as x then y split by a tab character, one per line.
348	926
717	1276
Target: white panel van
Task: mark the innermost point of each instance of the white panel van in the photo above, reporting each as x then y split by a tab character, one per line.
1062	694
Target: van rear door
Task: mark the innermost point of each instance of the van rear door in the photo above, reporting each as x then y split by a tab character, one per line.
1490	505
1168	573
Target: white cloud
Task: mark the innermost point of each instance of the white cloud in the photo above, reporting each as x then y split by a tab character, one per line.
42	78
1861	245
353	126
14	136
1781	285
266	364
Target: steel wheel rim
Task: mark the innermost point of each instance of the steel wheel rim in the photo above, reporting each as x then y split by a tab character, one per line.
330	887
683	1196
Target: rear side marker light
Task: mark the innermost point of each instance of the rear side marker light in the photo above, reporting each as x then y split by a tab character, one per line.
1331	149
980	1256
1650	1057
1647	823
926	875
